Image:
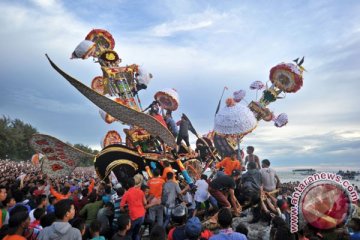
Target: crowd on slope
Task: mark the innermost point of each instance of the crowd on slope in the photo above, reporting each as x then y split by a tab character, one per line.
35	206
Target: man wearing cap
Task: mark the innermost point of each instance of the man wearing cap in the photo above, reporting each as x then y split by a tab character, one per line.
178	218
222	187
193	228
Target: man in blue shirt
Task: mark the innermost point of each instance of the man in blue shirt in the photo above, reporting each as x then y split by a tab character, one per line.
226	232
171	124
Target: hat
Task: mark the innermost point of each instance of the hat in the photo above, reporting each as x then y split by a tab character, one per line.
138	179
235	173
179	211
193	228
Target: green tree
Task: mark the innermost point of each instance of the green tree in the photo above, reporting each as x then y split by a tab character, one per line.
14	139
21	133
6	143
86	162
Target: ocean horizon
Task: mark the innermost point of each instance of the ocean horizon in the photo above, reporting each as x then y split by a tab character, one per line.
288	176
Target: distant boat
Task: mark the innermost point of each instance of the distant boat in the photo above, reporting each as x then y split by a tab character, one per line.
348	175
307	171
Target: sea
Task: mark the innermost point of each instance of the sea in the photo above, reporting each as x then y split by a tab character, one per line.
291	177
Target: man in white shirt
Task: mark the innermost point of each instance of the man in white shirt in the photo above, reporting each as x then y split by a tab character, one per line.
202	194
269	178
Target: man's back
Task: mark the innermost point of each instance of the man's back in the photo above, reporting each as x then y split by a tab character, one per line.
155	186
252	179
170	191
268	179
223	182
60	231
134	199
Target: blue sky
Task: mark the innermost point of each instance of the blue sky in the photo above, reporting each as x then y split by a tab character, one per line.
196	47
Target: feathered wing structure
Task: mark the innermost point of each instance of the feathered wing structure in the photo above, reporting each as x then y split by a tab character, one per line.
60	158
119	111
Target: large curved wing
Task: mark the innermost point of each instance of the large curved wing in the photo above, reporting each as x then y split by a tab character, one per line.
119	111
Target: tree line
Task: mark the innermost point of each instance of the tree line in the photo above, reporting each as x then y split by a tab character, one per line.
14	141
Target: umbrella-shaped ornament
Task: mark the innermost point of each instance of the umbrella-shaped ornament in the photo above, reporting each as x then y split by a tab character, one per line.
235	121
168	99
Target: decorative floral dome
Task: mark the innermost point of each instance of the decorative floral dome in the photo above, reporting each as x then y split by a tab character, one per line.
235	120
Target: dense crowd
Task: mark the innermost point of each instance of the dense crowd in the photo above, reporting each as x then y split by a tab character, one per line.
80	206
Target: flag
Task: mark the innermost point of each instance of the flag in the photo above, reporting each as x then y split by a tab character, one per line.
218	106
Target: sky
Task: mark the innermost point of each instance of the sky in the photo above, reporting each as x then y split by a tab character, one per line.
197	48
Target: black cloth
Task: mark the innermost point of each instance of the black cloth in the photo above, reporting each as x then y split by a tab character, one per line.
223	182
204	152
185	138
184	127
251	180
117	236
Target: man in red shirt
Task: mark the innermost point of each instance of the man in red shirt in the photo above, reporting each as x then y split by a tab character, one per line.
136	201
155	186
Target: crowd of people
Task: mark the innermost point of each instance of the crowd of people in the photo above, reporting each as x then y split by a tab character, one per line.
80	206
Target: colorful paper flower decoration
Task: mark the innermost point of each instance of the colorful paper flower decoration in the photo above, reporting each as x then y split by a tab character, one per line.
168	99
287	77
239	95
257	85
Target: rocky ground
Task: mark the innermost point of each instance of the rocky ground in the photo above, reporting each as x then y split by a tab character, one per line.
257	231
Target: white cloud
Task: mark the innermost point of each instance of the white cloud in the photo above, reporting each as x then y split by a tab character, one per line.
168	29
46	4
187	23
36	29
198	54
